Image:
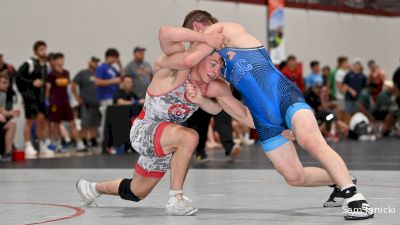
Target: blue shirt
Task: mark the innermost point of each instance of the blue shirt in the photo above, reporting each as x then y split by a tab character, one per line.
314	79
106	72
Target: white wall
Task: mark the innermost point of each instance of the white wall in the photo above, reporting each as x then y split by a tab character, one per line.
312	34
81	28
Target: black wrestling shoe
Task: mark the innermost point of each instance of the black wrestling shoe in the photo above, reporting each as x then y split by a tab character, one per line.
336	198
357	208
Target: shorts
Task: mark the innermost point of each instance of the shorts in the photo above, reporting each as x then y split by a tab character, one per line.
350	107
60	112
33	104
145	138
277	141
90	116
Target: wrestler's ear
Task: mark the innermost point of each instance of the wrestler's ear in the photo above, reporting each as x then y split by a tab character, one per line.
198	27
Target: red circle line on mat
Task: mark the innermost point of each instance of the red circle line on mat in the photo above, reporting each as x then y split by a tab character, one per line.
78	211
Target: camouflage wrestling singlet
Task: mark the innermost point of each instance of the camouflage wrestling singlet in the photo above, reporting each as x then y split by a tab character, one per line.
158	111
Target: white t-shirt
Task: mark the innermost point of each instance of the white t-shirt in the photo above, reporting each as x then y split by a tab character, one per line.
339	77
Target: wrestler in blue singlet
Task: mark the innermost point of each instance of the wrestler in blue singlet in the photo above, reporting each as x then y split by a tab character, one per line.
271	98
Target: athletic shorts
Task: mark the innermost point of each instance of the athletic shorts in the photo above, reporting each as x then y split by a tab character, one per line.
90	116
60	112
33	104
145	138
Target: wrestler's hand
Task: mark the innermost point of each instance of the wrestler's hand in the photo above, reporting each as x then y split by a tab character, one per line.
216	39
193	93
288	134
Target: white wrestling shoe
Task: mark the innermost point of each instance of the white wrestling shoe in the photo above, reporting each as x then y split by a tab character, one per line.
46	152
357	208
85	190
30	152
176	206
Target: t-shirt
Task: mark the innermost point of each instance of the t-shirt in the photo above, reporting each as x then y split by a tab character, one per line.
332	82
339	77
296	76
141	74
85	80
356	82
59	83
365	98
106	72
314	79
121	94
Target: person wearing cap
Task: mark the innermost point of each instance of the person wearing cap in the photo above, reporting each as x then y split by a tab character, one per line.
386	107
353	83
140	71
84	90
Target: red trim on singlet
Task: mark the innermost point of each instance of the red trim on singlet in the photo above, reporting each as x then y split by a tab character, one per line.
158	95
186	97
141	115
144	173
158	149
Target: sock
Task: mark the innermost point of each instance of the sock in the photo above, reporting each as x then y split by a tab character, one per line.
93	189
173	193
349	190
47	142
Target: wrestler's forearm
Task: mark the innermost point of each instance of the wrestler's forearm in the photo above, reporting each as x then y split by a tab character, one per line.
210	106
186	59
180	34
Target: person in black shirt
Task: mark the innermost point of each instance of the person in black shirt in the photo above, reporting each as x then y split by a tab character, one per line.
125	95
8	69
31	81
396	82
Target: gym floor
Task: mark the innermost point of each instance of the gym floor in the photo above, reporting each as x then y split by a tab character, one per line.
248	191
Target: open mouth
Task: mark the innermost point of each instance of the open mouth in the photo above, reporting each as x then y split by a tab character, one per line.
212	76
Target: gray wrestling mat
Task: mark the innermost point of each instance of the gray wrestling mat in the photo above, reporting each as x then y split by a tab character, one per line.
234	197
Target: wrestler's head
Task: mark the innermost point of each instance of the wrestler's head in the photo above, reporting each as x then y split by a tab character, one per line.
209	68
198	20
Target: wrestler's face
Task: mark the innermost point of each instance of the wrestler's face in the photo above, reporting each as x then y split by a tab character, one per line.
210	67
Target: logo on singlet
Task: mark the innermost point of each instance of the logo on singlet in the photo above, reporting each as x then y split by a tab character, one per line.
239	70
179	113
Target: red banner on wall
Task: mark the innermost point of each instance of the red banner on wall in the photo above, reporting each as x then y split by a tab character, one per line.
276	30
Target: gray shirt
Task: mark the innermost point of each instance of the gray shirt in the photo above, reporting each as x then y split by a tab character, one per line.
142	74
85	80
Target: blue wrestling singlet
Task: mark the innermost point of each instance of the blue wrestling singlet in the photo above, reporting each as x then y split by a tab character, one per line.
271	98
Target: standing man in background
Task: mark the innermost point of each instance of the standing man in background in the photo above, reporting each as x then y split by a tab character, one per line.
31	83
107	81
87	99
140	71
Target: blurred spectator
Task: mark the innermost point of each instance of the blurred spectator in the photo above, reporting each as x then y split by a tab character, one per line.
140	71
88	103
396	82
107	81
293	72
59	107
376	76
8	69
125	95
326	71
332	80
386	108
8	122
315	75
31	82
341	72
354	82
313	95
